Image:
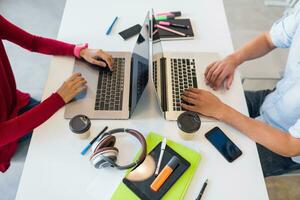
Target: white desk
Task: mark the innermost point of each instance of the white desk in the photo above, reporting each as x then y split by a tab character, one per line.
54	168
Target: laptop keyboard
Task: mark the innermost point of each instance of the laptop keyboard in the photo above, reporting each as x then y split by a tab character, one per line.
155	74
110	87
183	77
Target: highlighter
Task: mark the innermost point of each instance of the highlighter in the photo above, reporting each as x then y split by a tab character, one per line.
162	17
164	174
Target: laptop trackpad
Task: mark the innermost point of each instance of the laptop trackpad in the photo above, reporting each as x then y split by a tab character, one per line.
84	102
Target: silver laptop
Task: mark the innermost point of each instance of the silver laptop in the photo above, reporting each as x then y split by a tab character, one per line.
174	72
114	95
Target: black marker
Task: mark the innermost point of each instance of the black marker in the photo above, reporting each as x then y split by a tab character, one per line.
202	190
92	142
165	23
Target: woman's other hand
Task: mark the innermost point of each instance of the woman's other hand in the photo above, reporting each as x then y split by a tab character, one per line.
72	87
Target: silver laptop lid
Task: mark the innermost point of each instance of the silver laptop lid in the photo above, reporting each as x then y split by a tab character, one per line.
157	63
140	65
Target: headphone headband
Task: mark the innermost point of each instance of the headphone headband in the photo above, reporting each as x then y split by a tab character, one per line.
139	137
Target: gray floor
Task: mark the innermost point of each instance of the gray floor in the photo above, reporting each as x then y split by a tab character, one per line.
42	18
247	18
283	187
38	17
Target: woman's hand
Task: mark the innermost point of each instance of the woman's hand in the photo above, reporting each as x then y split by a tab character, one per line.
218	72
97	57
203	102
71	87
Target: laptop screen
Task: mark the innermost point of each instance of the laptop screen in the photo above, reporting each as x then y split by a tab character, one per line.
157	58
140	65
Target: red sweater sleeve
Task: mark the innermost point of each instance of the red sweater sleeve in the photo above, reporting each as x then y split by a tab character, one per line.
19	126
10	32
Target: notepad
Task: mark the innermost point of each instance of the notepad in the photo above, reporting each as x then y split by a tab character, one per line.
166	35
178	190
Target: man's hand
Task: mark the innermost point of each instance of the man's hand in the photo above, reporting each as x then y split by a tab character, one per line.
97	57
218	72
203	102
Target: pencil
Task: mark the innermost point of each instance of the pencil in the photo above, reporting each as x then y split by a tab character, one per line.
170	30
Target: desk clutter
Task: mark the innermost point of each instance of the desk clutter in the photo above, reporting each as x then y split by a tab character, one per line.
162	169
179	163
167	26
172	28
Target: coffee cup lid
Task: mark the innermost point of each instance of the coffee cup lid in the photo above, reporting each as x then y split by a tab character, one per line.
80	124
189	122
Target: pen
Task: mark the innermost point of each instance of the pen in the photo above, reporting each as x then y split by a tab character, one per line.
170	30
111	26
83	152
165	14
175	13
202	190
162	150
164	23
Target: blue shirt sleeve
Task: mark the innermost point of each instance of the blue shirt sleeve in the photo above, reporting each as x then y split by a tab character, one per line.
283	30
295	129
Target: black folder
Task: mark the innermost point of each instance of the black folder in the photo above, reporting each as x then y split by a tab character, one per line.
142	188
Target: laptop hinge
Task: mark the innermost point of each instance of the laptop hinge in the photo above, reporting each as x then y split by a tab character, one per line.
163	78
130	86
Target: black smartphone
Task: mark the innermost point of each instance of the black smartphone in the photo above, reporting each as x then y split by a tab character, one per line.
223	144
132	31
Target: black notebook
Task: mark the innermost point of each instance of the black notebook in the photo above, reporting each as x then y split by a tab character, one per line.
142	188
166	35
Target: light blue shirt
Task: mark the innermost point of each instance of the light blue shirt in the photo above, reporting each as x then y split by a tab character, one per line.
281	108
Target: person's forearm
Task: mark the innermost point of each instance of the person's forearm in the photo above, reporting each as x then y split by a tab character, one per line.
259	46
273	139
11	32
17	127
51	46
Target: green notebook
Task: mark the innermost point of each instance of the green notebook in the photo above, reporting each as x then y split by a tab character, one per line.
178	190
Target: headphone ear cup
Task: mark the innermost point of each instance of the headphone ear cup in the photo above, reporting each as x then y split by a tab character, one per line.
106	141
108	152
99	161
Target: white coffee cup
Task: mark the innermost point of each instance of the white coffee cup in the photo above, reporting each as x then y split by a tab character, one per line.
80	125
188	124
